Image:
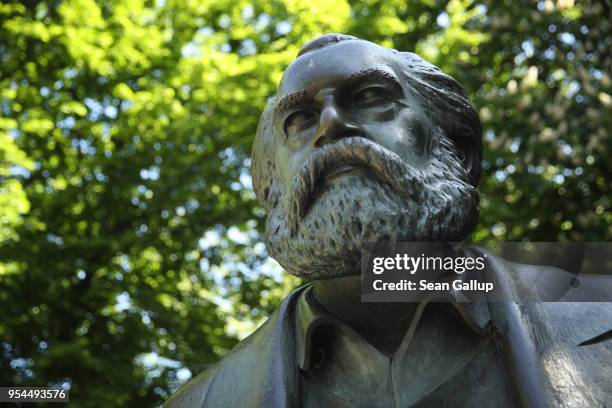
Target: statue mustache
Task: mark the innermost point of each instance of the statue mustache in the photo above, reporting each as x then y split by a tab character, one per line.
357	151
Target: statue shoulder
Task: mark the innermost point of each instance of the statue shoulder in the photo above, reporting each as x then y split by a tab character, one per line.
525	283
235	365
193	393
235	377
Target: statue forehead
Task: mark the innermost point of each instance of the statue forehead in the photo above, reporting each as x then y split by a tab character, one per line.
328	66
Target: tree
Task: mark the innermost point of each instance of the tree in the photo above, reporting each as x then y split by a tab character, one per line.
131	249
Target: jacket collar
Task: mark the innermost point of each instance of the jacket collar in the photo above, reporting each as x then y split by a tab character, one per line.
310	314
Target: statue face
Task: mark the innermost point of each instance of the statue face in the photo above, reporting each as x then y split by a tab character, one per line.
349	89
358	158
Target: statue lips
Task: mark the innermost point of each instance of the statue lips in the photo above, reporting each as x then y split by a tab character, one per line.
338	171
342	170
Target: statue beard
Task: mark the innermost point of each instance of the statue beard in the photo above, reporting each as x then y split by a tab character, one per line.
316	228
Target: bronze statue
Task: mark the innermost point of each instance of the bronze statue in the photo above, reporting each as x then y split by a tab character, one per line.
364	143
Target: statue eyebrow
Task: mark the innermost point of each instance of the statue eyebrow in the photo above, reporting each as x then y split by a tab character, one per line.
373	74
356	79
288	101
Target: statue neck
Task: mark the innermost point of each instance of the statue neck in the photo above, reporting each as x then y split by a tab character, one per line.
384	325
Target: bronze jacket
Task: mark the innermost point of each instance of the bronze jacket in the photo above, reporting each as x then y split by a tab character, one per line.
559	354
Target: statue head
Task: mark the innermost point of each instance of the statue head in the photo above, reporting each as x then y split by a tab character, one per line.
363	143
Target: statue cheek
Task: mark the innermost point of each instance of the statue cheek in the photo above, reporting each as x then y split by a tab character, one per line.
288	162
417	133
409	135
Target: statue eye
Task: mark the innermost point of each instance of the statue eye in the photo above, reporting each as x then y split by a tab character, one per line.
300	121
371	96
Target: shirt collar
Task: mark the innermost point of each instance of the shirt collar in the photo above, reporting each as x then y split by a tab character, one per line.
310	315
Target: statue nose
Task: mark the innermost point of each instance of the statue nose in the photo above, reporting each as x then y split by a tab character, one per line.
334	125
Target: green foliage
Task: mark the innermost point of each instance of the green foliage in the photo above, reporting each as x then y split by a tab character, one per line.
131	248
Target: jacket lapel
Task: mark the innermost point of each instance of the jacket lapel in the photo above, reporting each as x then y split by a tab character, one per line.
266	363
